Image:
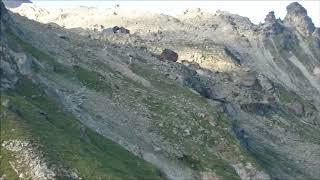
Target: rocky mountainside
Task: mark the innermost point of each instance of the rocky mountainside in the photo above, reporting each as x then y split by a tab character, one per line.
92	93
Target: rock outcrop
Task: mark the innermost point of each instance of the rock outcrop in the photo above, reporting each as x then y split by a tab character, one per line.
297	17
272	25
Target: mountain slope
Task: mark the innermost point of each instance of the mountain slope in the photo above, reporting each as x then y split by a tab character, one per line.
40	140
240	103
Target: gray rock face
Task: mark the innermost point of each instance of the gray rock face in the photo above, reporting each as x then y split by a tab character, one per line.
272	25
316	35
24	63
298	18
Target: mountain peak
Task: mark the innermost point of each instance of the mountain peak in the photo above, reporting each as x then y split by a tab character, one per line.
296	8
297	17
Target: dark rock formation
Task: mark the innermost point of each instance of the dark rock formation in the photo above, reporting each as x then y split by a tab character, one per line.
116	29
297	17
272	25
168	54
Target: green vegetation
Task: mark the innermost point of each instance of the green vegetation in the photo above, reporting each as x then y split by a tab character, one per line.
92	79
16	43
284	96
63	139
5	167
88	78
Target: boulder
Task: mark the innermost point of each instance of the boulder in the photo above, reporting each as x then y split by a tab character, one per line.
168	54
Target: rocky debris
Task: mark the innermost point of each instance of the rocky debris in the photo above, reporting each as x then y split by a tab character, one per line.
36	167
168	54
297	17
31	164
116	29
272	25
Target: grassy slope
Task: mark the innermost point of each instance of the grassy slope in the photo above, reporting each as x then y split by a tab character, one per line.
57	133
60	136
200	148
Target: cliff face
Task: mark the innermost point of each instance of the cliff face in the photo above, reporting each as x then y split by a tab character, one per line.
241	102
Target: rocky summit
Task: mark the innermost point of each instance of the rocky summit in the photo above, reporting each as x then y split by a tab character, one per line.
91	93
